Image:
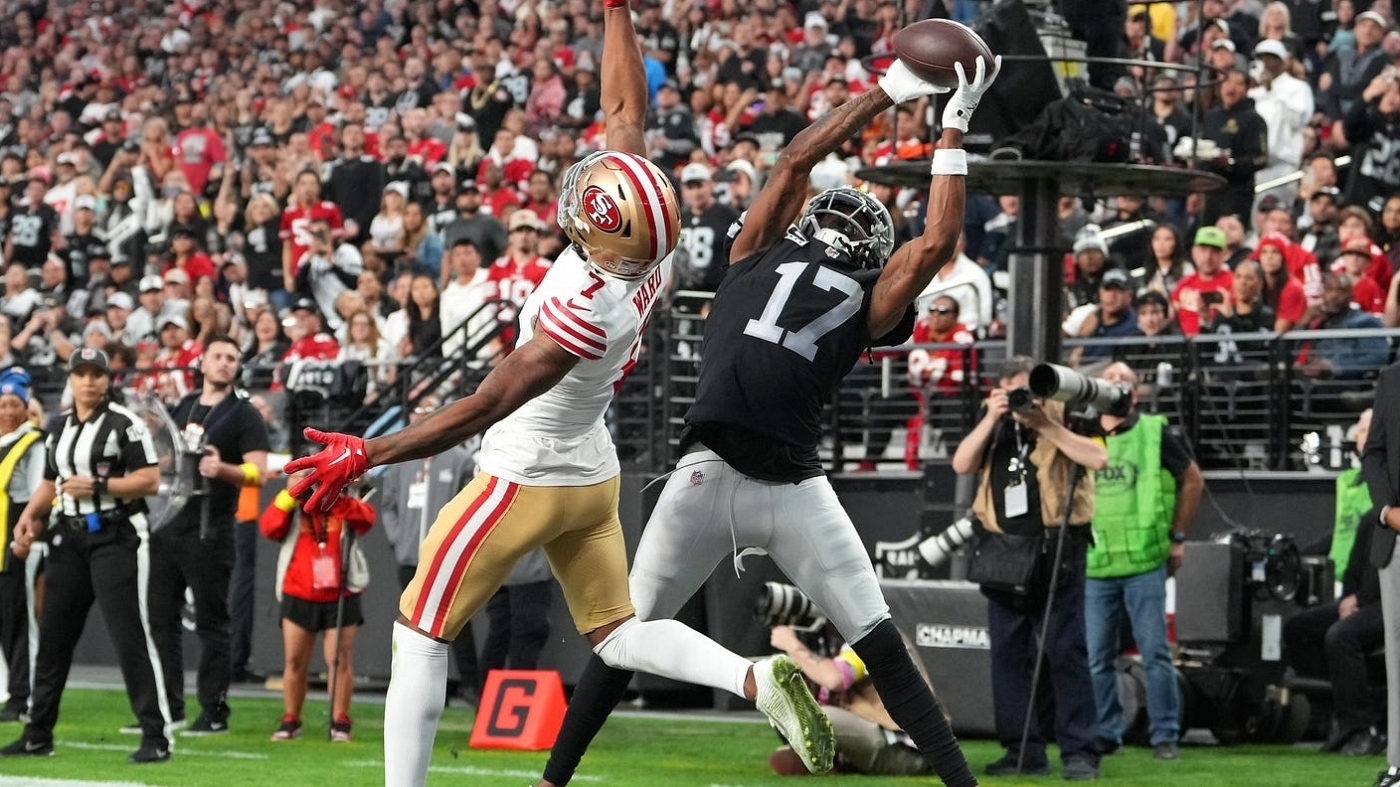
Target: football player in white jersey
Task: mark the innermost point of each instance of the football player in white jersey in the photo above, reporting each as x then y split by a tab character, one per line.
549	472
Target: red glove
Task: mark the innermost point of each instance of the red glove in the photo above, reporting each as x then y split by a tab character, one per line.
334	468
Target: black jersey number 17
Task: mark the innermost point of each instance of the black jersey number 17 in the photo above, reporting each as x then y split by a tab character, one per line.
804	340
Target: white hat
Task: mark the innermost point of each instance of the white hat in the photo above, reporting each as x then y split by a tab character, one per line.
524	218
1090	236
695	171
120	300
398	187
67	158
1271	47
84	202
743	165
1374	17
1223	43
153	282
814	19
829	173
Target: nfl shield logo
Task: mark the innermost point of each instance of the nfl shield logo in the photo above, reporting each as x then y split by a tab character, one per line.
697	476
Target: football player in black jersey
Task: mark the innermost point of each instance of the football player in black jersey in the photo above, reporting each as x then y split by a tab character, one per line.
794	311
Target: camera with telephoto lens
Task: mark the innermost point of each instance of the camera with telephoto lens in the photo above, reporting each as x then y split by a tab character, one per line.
1020	400
1062	384
784	605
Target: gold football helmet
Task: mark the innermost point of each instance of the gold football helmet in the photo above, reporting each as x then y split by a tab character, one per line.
622	210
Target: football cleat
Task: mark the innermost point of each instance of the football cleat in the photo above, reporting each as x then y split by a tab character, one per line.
784	698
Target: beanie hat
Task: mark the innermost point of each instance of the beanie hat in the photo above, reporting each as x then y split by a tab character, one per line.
15	380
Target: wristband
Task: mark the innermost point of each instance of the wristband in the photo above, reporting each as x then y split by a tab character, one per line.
284	502
251	475
1178	538
949	161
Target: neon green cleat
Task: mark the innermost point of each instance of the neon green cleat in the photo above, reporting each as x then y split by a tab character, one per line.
784	699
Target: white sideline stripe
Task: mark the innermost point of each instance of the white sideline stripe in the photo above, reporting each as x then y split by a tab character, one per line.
228	755
464	770
39	782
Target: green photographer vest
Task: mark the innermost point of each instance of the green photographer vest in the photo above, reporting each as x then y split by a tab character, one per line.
1135	499
1353	501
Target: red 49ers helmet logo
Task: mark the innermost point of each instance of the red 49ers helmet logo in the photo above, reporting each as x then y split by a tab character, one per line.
600	208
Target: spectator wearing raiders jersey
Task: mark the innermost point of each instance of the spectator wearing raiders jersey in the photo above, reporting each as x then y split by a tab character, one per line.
34	226
752	476
355	183
194	550
101	464
85	241
549	472
705	226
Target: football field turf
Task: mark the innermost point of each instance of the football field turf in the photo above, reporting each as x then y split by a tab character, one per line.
634	750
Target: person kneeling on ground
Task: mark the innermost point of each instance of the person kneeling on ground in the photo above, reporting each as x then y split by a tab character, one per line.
867	739
311	582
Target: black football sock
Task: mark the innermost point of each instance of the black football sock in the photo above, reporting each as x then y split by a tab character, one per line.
911	703
599	690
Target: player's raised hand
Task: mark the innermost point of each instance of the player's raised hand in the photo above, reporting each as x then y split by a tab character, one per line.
335	467
965	99
902	84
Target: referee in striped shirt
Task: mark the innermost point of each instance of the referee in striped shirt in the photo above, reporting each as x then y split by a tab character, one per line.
100	467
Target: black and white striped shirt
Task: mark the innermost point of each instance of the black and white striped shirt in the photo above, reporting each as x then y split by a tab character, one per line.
111	443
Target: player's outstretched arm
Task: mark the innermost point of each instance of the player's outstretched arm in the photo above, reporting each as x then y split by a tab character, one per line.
785	191
914	264
624	97
526	373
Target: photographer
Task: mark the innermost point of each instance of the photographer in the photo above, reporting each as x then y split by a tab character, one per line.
326	270
867	739
226	442
1024	458
1143	502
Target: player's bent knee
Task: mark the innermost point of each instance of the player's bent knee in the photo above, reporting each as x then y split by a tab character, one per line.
614	647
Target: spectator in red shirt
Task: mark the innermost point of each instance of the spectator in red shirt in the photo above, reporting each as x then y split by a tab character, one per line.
1283	293
310	342
178	351
521	270
498	198
1198	294
1355	261
185	255
311	583
306	204
198	148
934	375
427	149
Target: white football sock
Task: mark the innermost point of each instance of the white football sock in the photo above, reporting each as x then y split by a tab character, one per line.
674	650
412	706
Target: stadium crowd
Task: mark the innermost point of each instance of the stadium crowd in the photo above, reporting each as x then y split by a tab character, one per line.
366	175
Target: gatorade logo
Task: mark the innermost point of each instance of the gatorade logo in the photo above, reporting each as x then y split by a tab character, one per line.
512	707
520	709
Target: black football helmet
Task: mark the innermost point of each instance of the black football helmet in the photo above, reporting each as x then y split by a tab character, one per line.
852	221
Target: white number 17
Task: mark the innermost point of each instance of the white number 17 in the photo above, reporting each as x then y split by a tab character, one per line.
804	341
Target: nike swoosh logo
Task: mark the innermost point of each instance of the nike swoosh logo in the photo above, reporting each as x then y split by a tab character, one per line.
340	458
32	746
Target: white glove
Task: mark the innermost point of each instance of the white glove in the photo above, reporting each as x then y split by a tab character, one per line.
964	101
901	84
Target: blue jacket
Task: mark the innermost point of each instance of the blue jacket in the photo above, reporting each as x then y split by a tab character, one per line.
1354	357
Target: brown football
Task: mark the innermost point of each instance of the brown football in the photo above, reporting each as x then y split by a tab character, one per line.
931	47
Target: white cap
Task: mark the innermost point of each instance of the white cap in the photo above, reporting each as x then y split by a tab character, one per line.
150	283
1223	43
814	19
695	171
1374	17
84	202
67	158
398	187
1090	236
1271	47
120	300
743	165
829	173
